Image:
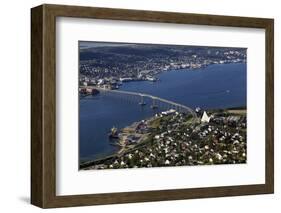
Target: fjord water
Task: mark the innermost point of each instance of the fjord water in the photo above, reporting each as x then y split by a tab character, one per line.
214	87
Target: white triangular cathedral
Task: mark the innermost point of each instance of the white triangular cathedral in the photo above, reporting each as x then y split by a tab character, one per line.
205	118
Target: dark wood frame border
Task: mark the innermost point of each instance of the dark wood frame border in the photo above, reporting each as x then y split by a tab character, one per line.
43	105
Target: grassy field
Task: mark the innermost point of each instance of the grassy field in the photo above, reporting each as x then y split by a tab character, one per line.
237	111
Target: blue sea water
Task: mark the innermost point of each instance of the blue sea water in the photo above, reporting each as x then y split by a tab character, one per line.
216	86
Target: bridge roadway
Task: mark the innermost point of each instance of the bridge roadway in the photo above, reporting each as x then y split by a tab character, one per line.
142	95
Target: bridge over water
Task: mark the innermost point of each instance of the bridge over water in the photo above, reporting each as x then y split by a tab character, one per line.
154	100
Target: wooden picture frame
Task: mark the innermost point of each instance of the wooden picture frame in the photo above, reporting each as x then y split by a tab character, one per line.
43	105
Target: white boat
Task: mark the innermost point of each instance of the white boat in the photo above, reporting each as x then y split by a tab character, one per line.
150	78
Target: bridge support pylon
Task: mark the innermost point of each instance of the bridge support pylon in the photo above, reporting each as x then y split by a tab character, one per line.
154	105
142	103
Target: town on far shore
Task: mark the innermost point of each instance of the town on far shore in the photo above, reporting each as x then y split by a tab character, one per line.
106	67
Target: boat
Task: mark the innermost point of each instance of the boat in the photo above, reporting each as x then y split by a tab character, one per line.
113	133
95	92
142	103
149	78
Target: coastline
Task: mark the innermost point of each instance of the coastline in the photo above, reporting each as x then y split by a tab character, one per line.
123	147
144	139
153	73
